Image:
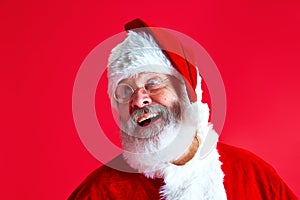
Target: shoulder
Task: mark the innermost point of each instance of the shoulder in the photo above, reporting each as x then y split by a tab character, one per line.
236	156
101	179
247	174
108	183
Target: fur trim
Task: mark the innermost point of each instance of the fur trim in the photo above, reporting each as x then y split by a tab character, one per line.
197	179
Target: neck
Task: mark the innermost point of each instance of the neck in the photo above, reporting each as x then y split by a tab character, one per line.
189	153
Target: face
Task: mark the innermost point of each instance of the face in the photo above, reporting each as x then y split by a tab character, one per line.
154	113
148	103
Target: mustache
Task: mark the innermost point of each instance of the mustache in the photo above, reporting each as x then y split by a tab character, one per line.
169	116
159	109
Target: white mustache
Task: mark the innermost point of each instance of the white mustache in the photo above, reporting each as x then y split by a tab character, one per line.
167	116
158	109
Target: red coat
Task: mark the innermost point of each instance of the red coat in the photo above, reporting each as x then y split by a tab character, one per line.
246	177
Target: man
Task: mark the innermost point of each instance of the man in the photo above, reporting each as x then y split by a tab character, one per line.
164	126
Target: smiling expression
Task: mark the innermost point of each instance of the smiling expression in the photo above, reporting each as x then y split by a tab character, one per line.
148	104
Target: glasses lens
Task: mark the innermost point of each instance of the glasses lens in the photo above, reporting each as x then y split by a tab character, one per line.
154	84
123	92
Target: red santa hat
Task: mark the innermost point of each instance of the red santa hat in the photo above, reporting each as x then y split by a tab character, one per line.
150	49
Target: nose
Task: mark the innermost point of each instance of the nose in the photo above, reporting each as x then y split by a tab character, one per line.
140	98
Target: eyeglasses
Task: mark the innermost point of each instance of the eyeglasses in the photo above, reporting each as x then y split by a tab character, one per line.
124	91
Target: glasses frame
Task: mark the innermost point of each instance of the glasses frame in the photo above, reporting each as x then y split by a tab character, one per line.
149	91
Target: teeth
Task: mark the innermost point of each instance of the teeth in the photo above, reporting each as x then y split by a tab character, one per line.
152	115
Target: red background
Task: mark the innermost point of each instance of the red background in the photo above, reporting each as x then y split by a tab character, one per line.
255	44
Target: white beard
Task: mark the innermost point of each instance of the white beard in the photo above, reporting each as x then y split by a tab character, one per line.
152	155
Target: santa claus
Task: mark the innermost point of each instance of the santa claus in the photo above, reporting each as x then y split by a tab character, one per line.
164	126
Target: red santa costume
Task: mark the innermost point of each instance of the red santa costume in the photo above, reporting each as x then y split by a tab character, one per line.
224	173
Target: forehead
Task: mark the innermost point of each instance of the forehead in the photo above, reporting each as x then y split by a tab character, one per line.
144	76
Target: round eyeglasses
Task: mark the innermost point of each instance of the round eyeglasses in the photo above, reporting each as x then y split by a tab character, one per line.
124	91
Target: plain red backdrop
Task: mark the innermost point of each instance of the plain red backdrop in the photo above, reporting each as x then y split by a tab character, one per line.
255	45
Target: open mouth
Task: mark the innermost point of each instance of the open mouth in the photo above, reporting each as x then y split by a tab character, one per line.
147	118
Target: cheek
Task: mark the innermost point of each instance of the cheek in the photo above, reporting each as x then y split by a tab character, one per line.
166	99
124	112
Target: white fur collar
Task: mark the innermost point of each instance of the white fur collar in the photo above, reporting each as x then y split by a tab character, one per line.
197	179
